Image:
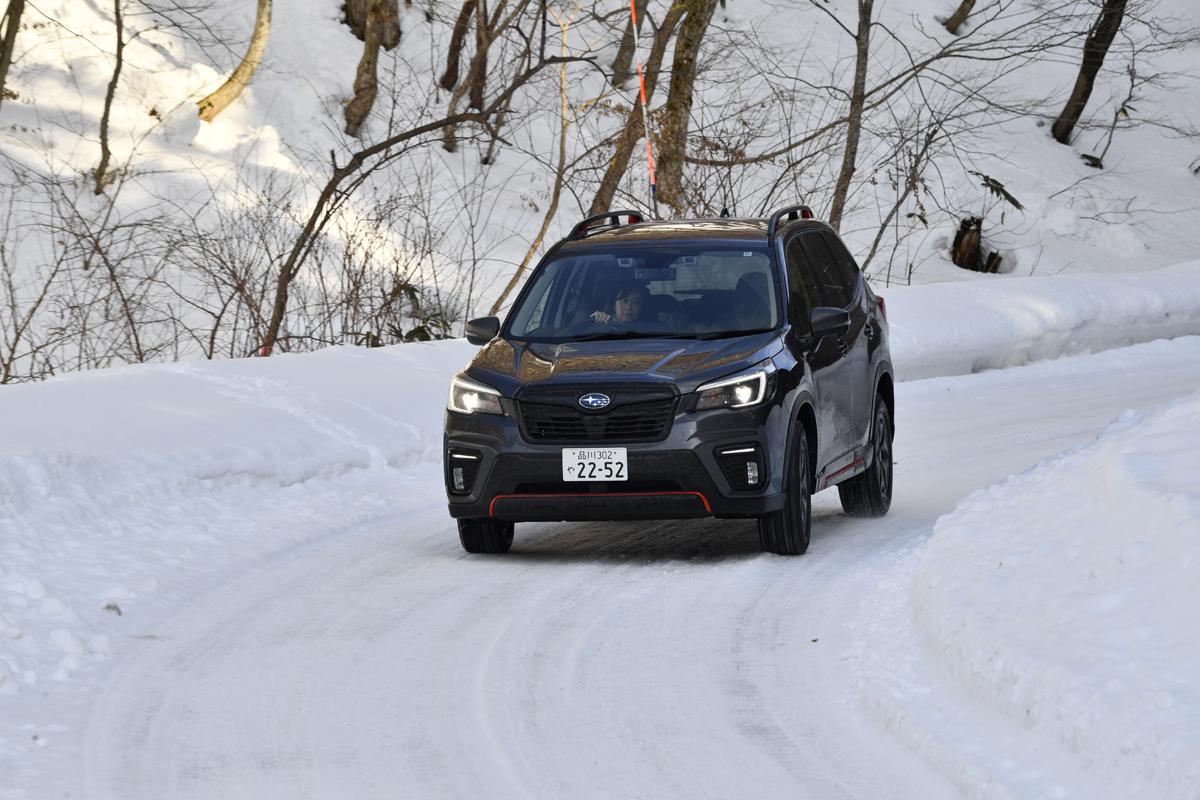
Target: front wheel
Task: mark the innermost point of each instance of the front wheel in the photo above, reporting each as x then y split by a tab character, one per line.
485	535
786	532
869	494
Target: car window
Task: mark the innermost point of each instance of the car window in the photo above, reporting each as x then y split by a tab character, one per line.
673	288
803	294
825	272
846	266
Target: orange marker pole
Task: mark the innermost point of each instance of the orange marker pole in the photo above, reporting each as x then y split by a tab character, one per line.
645	113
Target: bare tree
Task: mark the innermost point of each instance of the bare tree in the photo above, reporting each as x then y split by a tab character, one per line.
12	22
623	61
634	128
559	173
486	31
101	173
380	27
677	112
359	19
1095	48
215	103
346	177
457	39
955	21
858	96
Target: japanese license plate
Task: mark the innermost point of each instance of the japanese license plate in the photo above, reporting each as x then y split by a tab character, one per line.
595	464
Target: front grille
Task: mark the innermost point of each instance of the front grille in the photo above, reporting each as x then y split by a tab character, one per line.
647	421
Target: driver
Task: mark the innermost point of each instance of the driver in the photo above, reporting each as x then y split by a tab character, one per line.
626	307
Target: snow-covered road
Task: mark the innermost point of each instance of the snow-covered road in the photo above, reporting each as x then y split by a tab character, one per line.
617	660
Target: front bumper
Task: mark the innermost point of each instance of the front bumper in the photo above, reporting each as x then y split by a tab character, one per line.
679	477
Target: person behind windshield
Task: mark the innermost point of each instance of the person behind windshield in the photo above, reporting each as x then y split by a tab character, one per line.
626	308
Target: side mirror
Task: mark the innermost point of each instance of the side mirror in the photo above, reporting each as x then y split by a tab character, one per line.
482	330
829	321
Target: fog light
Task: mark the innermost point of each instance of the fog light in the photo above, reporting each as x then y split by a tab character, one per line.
462	470
752	473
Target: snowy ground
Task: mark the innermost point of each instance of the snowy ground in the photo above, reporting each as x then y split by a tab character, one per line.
237	579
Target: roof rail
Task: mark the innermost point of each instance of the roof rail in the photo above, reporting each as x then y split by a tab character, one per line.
792	213
614	221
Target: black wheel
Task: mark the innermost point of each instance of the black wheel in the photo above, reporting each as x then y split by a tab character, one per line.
786	532
869	494
485	535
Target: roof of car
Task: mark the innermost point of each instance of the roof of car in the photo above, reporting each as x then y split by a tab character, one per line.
721	229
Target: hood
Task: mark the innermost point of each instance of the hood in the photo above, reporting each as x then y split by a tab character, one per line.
686	363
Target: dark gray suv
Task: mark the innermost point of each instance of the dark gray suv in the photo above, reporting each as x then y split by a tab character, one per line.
651	370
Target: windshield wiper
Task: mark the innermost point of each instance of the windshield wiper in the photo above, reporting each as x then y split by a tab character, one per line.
728	334
618	335
612	335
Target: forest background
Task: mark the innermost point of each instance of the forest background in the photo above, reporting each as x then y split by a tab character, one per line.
185	180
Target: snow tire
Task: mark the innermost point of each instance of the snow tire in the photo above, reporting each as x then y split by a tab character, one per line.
485	535
786	532
869	494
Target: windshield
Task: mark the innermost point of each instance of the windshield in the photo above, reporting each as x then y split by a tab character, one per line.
678	290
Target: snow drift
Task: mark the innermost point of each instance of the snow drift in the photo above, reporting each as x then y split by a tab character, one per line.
1065	599
961	328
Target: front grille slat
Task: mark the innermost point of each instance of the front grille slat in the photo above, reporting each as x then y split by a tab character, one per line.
641	421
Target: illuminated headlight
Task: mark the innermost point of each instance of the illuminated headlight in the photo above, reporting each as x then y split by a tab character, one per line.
470	397
741	391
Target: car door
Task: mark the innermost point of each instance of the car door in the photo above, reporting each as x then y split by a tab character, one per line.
857	340
809	271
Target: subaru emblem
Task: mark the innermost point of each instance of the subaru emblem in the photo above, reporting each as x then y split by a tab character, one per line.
594	401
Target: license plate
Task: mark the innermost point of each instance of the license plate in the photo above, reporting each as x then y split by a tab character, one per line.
595	464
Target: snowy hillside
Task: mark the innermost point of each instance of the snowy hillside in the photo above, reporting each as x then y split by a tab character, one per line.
179	255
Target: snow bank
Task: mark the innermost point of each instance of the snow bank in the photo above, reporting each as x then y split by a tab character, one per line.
123	484
1065	599
961	328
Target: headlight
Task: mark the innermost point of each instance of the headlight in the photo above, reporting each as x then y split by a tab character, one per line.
740	391
470	397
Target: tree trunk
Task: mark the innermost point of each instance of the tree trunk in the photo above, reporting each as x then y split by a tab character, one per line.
12	21
477	76
457	40
217	102
622	66
101	173
678	110
1095	48
862	41
380	22
633	129
358	19
959	16
967	251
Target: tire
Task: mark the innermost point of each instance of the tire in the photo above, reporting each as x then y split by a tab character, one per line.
869	494
786	532
485	535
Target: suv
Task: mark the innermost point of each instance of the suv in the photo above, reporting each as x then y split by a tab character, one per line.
660	370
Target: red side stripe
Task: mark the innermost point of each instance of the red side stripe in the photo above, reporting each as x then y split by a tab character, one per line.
703	499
